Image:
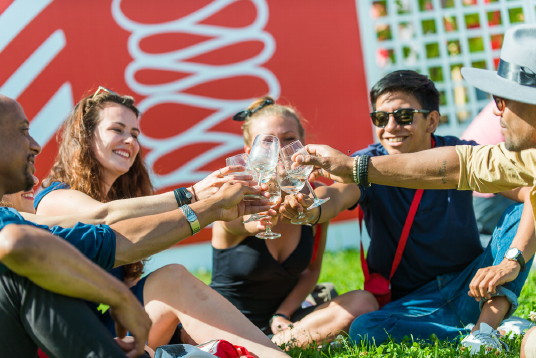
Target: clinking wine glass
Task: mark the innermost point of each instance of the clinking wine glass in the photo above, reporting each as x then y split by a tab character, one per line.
242	159
292	186
274	189
299	172
263	155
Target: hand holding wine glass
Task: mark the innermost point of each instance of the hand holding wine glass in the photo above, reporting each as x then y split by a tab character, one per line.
299	173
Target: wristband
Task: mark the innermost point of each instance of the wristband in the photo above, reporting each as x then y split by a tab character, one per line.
278	315
182	196
192	218
354	169
319	215
362	170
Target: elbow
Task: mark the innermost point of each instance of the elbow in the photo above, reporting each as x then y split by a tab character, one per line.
16	244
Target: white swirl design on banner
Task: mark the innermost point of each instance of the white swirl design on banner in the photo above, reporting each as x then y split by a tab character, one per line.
175	91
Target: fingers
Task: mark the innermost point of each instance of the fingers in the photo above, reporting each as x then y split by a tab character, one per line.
293	207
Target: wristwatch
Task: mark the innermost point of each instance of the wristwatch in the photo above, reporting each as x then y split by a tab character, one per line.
514	254
183	196
192	219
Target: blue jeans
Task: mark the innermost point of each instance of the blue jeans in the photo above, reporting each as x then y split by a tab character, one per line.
442	306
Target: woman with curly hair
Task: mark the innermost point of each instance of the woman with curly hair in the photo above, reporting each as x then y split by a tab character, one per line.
99	161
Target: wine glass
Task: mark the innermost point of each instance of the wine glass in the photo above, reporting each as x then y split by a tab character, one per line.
242	159
292	186
274	188
299	173
263	155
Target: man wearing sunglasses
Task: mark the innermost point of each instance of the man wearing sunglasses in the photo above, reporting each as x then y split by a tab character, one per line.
487	168
441	250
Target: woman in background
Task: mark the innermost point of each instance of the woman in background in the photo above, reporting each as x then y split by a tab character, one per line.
267	280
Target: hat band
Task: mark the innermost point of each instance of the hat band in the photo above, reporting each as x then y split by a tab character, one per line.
519	74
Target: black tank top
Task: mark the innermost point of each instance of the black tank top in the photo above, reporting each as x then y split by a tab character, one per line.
252	280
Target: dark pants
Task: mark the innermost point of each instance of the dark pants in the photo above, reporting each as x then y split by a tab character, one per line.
61	326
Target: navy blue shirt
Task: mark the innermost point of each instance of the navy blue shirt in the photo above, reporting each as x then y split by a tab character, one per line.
97	242
443	238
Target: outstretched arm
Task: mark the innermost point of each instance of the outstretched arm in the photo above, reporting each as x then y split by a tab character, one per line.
437	168
56	208
54	265
139	238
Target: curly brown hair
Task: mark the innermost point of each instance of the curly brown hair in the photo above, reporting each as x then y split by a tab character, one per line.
271	109
77	166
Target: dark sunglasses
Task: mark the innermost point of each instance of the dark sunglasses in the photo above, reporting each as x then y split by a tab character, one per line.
403	116
499	102
243	115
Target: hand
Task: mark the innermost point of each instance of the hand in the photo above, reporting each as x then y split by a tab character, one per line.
131	316
280	324
230	201
328	162
213	182
295	207
488	278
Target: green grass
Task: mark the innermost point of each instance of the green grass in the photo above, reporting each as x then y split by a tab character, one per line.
343	269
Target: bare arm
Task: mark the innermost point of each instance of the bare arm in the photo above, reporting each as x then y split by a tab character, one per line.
437	168
140	237
56	266
487	279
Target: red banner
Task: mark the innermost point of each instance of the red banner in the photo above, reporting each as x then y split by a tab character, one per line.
190	65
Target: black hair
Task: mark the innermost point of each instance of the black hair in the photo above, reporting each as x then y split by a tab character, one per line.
410	82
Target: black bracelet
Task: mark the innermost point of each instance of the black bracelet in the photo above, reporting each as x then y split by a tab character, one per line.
182	196
362	170
319	215
178	197
278	315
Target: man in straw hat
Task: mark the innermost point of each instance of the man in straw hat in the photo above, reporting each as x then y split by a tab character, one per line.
489	168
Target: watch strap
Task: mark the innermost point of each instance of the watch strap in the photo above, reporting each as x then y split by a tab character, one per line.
192	219
182	196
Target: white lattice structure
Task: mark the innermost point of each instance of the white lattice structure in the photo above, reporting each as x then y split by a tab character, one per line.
437	38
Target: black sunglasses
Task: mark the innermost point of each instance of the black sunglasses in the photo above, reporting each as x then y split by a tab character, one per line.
403	116
243	115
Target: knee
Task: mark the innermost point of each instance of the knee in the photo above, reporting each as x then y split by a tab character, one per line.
528	345
172	275
369	327
359	302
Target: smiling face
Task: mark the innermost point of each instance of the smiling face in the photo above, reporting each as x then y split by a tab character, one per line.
284	128
18	148
22	201
115	141
409	138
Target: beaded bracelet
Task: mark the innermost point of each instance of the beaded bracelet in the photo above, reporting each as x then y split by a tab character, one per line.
356	159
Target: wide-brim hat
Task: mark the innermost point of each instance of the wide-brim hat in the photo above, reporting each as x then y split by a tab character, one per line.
515	77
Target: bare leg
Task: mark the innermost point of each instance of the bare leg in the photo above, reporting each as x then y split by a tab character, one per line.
173	294
528	345
493	312
328	320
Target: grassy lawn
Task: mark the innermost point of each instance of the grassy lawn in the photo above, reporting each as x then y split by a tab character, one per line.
343	269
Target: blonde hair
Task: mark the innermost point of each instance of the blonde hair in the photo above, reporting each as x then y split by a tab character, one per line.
273	109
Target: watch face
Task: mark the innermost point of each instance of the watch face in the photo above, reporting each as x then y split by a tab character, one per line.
511	253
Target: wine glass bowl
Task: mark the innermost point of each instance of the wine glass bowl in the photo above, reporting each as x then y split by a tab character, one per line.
299	173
